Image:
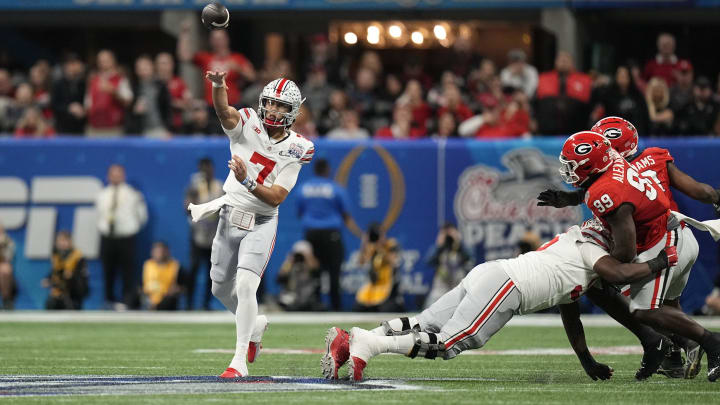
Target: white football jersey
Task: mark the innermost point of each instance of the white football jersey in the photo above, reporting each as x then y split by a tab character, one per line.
265	159
559	272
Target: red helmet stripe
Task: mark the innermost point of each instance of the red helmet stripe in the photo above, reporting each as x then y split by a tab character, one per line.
280	87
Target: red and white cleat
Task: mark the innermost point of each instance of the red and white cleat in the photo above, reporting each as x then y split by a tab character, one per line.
356	366
255	344
337	352
231	373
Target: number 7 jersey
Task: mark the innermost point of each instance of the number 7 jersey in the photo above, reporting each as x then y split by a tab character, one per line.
267	161
621	184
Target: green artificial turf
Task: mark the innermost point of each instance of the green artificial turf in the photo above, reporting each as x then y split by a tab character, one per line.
168	350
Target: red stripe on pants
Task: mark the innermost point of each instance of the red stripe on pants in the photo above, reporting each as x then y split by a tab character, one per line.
499	297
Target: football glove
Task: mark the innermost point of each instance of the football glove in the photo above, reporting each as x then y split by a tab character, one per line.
560	199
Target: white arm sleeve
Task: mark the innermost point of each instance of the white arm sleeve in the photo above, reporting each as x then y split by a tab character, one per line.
288	176
591	253
471	125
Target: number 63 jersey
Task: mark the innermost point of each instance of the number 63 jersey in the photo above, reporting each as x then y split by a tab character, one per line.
268	161
621	184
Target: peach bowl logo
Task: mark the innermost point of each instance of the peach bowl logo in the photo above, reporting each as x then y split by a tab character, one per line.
495	208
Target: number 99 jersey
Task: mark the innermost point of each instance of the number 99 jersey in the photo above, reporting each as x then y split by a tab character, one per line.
622	183
267	161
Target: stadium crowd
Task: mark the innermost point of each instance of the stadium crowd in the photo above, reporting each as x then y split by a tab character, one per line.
358	98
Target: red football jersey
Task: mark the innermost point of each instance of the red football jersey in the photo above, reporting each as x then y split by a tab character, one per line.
652	163
623	184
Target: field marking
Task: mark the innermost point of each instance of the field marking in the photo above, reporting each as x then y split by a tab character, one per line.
309	318
610	350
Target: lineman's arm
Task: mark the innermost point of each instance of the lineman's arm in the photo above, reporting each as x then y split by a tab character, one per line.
229	116
623	233
692	188
612	270
570	314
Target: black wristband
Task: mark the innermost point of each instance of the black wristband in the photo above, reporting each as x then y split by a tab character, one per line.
658	263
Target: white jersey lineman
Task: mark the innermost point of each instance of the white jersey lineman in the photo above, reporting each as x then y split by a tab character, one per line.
493	292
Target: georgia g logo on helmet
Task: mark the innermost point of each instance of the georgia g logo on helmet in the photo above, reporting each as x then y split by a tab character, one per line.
583	148
612	133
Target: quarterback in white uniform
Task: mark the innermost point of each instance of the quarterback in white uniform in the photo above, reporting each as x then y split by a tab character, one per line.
559	272
266	160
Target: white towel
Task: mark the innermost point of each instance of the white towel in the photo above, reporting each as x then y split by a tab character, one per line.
712	226
202	211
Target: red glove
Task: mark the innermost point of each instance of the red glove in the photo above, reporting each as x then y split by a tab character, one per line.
672	257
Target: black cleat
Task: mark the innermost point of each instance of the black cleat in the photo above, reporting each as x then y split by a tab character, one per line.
673	365
652	358
713	365
694	354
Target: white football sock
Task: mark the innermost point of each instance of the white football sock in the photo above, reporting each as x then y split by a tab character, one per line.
246	286
402	344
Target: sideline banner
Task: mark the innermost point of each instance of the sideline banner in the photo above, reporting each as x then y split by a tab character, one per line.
411	187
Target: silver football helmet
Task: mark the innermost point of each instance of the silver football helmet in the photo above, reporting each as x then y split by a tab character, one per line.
282	91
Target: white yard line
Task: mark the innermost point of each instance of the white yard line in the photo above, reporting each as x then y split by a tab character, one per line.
343	318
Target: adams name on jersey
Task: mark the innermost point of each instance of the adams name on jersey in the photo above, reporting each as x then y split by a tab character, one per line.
267	161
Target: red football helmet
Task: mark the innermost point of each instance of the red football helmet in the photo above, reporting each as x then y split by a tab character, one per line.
584	154
620	132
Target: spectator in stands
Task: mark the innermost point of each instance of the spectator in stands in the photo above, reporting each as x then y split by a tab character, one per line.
304	124
323	207
299	279
180	95
121	213
199	123
363	94
220	58
7	282
510	118
23	101
452	103
402	125
349	127
40	82
332	116
479	80
446	126
371	60
67	94
386	101
562	98
665	64
682	92
6	98
450	260
657	98
68	278
623	99
420	110
150	108
317	90
203	187
701	114
381	256
33	124
160	279
519	74
435	95
108	95
322	57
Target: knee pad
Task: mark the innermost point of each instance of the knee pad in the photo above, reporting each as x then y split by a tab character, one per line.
427	345
400	326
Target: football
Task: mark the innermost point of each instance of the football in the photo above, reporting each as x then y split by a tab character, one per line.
215	15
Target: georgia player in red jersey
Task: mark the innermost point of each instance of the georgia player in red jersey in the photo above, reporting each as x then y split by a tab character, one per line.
636	214
657	165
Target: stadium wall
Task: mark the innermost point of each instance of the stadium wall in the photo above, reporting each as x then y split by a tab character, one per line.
413	187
